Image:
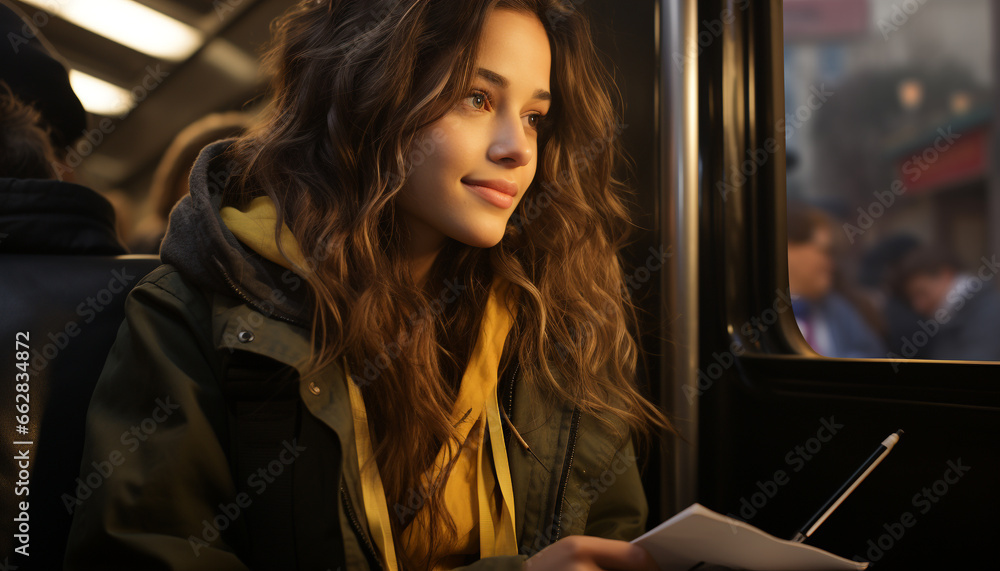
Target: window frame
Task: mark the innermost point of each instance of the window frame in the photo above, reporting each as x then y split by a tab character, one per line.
752	251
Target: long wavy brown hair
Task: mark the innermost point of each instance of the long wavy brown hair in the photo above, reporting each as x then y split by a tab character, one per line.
356	82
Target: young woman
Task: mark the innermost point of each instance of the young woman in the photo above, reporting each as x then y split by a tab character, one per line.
392	328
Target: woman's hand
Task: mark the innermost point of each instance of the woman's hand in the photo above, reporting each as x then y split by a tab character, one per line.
587	553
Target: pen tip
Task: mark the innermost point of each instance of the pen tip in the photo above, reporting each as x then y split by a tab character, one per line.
899	432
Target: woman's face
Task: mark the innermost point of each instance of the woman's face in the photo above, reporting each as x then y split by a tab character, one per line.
485	147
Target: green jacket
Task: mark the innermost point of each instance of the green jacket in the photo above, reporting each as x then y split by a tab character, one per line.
156	485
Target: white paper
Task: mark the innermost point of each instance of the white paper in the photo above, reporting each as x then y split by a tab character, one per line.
699	534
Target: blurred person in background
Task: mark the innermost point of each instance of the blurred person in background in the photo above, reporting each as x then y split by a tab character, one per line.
878	265
26	151
961	309
42	211
170	181
35	74
829	322
40	214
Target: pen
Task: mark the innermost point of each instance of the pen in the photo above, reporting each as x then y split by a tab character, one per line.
834	502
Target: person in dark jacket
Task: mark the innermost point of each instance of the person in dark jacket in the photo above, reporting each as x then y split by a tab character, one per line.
38	213
41	210
878	266
391	331
959	310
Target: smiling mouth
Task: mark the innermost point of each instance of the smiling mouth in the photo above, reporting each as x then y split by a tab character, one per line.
501	199
502	186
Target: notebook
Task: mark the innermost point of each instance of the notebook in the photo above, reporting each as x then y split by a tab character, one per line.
700	535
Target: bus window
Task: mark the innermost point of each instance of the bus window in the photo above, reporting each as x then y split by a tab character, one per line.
893	203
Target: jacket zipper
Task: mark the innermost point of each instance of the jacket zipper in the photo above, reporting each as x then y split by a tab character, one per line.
254	304
573	433
357	527
510	391
511	430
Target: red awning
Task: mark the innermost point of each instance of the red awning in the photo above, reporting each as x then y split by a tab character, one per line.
947	165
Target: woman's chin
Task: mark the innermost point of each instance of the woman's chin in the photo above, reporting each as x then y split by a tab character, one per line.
481	238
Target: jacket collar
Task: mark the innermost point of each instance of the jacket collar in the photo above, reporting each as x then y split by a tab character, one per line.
54	217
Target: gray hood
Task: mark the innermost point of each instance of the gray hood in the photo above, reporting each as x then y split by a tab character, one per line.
204	250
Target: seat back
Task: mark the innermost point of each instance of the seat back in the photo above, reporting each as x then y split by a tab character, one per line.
59	316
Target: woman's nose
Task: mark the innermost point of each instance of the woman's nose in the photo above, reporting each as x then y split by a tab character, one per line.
511	146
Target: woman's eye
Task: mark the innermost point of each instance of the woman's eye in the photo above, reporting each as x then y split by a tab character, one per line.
535	120
478	100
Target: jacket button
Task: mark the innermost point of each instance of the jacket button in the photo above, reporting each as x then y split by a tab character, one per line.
245	336
314	388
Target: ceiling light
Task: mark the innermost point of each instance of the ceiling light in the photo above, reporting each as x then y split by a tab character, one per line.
98	96
130	24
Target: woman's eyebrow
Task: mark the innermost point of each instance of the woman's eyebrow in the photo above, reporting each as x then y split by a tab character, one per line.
501	81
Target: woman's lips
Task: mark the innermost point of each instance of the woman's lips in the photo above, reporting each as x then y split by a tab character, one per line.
499	193
504	186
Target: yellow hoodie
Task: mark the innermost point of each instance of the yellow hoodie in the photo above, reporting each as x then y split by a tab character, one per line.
470	492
